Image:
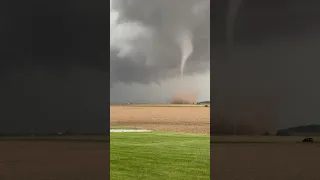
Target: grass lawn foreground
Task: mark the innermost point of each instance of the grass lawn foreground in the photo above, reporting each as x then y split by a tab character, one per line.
157	156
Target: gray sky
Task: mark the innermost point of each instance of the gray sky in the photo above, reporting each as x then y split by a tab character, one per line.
147	49
272	75
54	72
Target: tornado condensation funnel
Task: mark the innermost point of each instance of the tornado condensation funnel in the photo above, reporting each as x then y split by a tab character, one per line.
184	39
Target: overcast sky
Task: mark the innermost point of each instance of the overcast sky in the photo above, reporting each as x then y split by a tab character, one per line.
146	52
54	70
271	74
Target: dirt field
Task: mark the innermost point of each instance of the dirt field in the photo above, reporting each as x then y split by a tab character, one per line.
53	160
283	161
192	119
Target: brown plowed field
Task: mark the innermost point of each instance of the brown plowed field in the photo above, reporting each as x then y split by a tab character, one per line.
263	161
53	160
193	119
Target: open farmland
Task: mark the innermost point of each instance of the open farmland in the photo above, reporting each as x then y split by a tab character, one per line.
54	159
165	118
169	152
263	158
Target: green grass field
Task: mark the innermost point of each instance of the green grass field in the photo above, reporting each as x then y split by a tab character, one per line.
157	156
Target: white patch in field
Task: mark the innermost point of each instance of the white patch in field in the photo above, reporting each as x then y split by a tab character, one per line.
130	130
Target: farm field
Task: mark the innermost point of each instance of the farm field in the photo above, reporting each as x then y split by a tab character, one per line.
263	158
179	147
169	118
53	159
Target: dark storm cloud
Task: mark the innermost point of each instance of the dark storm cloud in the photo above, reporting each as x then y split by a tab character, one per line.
270	77
54	66
144	38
